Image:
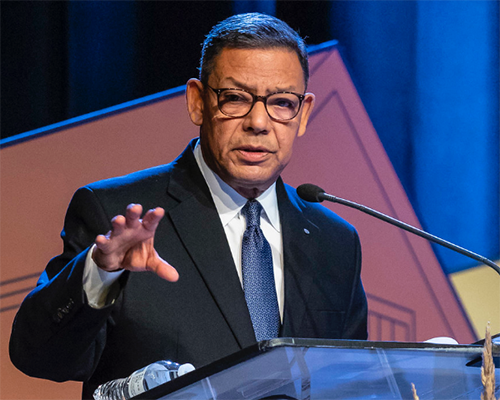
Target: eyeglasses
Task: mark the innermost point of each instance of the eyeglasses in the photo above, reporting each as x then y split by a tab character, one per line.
236	103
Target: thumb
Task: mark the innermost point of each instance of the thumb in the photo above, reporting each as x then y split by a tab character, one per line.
163	269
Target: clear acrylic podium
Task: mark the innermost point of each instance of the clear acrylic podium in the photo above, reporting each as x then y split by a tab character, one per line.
289	369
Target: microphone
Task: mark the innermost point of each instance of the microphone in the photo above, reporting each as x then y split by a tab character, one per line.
315	194
310	192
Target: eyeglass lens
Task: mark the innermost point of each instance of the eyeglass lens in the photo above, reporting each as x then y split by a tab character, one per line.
280	106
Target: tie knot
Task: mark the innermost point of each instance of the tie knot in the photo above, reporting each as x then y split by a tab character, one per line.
252	210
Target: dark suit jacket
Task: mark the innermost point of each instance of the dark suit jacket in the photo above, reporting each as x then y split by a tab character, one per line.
203	316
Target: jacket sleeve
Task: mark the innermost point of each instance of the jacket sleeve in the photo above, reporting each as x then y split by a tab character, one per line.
355	325
56	335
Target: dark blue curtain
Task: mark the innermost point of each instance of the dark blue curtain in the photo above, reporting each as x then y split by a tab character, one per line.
428	74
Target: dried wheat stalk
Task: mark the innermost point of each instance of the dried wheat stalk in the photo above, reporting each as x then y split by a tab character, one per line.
414	391
488	368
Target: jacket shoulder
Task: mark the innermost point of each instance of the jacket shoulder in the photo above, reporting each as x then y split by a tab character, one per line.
316	212
147	176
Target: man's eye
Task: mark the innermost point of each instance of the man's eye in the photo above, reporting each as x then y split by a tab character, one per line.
282	103
233	98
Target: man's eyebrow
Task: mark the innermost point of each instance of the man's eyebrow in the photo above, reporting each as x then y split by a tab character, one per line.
235	84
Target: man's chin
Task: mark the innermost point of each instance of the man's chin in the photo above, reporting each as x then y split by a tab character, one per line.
250	183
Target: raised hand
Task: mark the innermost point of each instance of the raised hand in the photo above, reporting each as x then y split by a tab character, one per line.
130	244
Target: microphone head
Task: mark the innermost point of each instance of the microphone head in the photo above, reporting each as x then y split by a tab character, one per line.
310	192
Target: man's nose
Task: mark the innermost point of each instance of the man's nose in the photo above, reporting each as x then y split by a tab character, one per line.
258	120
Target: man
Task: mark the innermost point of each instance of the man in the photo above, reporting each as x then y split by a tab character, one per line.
110	303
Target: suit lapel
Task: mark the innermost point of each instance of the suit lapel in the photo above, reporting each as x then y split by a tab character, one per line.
300	247
200	230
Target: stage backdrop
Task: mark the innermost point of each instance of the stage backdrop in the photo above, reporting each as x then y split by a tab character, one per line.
410	299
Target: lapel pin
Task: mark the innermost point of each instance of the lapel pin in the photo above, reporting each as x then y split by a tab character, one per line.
306	231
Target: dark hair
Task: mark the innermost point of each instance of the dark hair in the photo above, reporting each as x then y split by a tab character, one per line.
251	31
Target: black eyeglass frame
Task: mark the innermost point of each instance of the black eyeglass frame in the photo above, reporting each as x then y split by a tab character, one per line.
255	99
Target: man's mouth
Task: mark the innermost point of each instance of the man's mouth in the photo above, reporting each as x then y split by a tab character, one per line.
253	154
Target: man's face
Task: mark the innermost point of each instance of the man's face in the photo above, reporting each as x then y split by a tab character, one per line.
249	152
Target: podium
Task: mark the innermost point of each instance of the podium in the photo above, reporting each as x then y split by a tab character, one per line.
300	369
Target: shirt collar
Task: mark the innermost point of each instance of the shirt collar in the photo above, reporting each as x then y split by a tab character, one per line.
229	202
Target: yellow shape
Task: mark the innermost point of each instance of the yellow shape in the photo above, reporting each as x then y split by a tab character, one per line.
479	291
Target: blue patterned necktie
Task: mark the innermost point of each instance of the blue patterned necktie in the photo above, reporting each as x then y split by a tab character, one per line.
258	276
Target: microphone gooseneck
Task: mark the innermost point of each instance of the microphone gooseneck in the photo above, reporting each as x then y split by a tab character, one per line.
315	194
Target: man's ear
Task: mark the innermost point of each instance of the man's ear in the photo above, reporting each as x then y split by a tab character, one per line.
194	100
307	107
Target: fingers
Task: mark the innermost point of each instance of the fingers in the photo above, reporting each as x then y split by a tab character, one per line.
152	218
132	220
118	223
133	215
102	240
129	244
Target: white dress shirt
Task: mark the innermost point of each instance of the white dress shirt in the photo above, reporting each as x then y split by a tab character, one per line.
97	282
229	204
